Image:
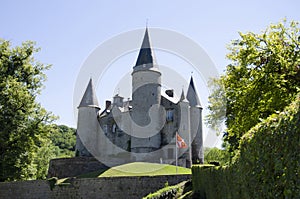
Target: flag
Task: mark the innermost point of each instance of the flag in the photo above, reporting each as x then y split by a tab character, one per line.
180	142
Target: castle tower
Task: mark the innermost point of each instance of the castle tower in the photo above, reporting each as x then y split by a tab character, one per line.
196	124
88	104
185	128
146	95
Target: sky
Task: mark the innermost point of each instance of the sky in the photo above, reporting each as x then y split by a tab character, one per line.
69	31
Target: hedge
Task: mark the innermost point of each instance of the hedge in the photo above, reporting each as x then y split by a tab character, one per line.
170	191
267	164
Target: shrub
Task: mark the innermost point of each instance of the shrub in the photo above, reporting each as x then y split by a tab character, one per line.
267	164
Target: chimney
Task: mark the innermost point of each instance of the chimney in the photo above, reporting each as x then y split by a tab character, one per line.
118	101
107	105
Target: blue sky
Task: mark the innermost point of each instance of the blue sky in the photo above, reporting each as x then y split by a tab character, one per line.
68	31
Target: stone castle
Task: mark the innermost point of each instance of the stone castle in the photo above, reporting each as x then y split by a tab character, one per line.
145	127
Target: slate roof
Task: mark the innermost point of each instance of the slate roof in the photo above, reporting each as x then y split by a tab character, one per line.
89	98
146	54
192	95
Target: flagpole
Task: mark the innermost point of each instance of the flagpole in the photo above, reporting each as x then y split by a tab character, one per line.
190	150
176	154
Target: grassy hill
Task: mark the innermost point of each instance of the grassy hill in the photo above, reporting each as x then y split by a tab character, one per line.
138	169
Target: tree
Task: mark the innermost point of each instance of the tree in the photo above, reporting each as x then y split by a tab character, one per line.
215	155
24	123
64	139
217	106
60	143
263	78
41	160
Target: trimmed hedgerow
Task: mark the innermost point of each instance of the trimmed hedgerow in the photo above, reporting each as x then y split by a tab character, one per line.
168	191
267	164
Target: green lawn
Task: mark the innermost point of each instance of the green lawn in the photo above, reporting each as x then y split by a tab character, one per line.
138	169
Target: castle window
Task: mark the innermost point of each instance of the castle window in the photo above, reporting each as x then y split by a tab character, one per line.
170	115
114	128
105	129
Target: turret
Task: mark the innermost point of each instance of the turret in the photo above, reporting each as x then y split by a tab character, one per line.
196	124
184	130
118	101
146	94
88	102
146	83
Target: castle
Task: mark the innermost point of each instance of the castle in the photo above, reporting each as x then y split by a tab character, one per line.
145	127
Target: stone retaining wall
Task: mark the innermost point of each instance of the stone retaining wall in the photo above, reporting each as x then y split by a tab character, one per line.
71	167
114	187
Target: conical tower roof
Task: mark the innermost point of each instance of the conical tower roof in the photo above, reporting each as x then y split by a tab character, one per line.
182	97
146	54
192	95
89	98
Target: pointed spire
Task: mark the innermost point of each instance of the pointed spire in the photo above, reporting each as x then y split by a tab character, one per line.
182	97
192	96
89	98
146	55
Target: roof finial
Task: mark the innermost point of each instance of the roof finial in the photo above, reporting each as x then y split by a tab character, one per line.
147	22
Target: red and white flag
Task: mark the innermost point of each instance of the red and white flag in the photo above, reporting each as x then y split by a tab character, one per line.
180	142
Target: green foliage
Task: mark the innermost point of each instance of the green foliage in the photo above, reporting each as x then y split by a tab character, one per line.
41	160
170	191
263	78
24	123
209	182
52	182
166	192
217	105
167	184
270	154
64	140
59	143
216	155
266	166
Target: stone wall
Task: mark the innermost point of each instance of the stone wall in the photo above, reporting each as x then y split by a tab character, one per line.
71	167
115	187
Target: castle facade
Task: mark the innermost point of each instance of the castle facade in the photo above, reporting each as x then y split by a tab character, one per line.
145	127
